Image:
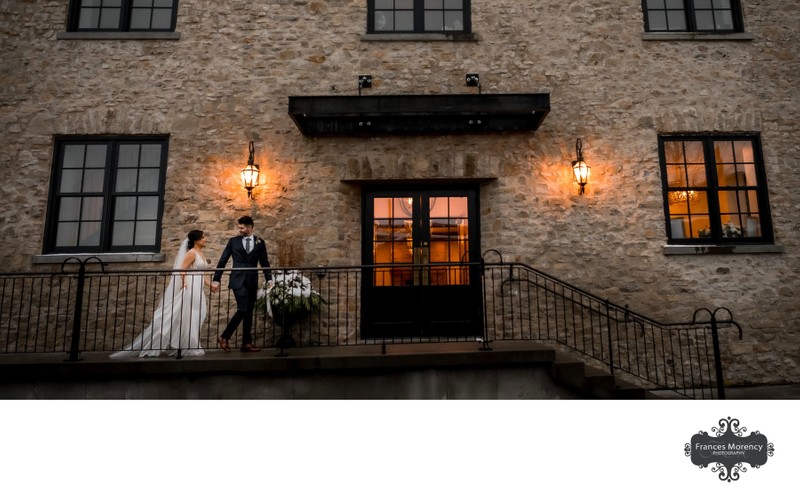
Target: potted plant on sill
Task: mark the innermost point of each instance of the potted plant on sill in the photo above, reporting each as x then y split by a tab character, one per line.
287	299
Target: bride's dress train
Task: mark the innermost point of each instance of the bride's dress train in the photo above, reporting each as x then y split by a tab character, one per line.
177	321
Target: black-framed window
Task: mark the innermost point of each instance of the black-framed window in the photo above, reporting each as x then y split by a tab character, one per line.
106	195
418	16
122	15
715	189
680	16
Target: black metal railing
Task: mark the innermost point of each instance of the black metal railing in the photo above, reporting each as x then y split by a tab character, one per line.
88	307
527	304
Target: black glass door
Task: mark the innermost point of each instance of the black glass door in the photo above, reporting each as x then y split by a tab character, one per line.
417	246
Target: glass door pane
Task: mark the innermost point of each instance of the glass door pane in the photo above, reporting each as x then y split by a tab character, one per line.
448	233
392	240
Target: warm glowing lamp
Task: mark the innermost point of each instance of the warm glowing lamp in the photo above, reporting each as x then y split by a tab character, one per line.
250	173
580	169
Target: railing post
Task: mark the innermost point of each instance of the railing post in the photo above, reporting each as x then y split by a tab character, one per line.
77	316
610	347
74	353
485	342
717	356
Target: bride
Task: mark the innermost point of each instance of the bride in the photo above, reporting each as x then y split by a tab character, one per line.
177	321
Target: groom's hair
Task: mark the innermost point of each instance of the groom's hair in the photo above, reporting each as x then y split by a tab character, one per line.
245	220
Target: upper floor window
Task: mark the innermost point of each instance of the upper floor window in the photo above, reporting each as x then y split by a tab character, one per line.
710	16
715	189
418	16
106	195
122	15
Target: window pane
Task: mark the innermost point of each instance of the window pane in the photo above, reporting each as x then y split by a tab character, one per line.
90	234
675	4
91	3
453	4
126	180
434	21
679	227
694	152
433	4
125	208
722	4
404	21
676	20
702	4
67	235
704	20
384	4
93	180
697	175
724	20
128	156
148	208
655	4
731	226
676	176
73	156
657	21
726	175
453	21
96	156
71	181
145	233
383	21
404	4
151	156
140	18
163	3
142	3
162	19
89	19
109	19
148	180
92	209
123	233
752	226
70	209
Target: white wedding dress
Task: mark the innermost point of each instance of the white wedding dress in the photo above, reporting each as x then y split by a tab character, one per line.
177	322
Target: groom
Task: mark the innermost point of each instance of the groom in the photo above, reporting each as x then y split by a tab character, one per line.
247	251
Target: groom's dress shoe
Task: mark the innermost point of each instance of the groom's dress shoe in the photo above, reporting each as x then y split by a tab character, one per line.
249	348
223	343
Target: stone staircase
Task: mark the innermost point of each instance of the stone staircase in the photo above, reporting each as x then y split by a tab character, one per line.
591	382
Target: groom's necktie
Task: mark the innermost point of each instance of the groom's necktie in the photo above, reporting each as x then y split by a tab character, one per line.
247	244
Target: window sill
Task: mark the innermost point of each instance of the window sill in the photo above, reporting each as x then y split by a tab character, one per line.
116	257
118	35
653	36
671	250
416	37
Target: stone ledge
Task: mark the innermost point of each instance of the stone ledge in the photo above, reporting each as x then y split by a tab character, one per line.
118	35
697	37
267	362
417	37
717	250
132	257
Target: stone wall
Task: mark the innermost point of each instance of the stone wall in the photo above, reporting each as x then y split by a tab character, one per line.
225	82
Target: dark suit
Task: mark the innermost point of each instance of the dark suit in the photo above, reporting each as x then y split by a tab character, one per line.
244	284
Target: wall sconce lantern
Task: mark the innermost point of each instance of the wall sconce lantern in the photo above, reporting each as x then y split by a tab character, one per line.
580	169
250	173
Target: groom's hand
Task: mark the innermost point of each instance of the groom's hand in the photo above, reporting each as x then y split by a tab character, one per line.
214	286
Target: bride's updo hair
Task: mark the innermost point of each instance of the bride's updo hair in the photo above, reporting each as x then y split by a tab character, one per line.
194	236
